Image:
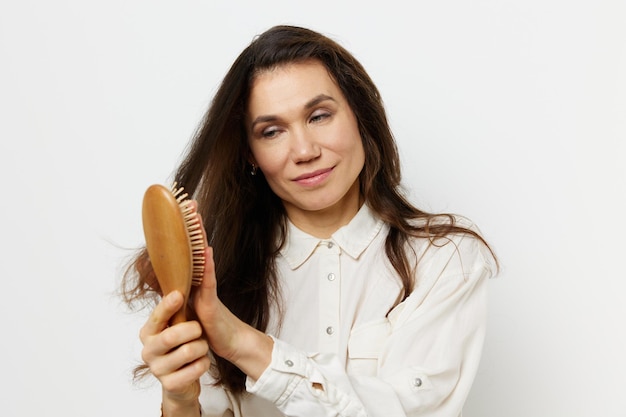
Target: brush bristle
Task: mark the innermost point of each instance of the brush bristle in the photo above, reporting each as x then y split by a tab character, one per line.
194	229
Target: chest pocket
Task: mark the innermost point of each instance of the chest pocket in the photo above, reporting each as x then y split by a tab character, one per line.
365	345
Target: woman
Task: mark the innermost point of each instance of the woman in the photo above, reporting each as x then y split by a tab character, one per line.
329	293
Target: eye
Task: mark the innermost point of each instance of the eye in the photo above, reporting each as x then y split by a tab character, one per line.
319	115
270	132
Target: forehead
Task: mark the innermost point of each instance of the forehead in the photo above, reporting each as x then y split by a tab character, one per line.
290	85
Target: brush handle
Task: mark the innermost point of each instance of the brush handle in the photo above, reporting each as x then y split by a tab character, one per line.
168	244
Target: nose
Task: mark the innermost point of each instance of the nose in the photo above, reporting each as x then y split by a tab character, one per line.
304	146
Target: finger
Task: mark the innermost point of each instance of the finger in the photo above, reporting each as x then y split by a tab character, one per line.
206	293
180	357
161	315
157	346
209	270
180	380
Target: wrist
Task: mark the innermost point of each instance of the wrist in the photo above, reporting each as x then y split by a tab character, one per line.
175	410
174	405
256	354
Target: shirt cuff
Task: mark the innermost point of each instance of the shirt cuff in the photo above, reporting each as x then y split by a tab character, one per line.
287	369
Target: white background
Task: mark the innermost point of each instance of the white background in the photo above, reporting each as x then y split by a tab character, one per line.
510	112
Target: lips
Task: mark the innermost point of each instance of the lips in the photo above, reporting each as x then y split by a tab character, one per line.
313	178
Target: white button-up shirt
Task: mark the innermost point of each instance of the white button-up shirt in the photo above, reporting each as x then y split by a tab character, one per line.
345	346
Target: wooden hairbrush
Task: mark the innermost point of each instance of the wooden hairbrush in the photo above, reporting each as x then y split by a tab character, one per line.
174	241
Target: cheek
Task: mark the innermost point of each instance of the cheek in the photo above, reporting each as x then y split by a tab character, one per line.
350	137
270	162
353	147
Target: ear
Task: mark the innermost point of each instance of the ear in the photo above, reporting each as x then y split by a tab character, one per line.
251	159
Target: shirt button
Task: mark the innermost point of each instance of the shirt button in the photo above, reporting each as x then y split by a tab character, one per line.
417	382
289	363
330	330
330	245
331	277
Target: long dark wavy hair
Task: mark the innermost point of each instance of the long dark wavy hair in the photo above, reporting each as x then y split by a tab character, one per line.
245	221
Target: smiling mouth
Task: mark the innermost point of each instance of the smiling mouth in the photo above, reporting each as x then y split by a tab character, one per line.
313	178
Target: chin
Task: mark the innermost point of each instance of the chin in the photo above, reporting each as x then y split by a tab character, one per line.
319	206
311	205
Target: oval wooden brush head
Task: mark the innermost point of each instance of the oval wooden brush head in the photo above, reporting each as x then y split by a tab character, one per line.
174	242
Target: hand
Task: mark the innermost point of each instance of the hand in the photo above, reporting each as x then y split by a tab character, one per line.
229	337
176	355
220	325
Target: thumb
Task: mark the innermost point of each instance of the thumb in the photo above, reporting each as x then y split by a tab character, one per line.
206	293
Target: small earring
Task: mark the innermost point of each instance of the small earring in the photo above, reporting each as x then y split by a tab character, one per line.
253	170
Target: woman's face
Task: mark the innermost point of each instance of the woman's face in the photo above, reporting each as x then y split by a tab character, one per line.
304	138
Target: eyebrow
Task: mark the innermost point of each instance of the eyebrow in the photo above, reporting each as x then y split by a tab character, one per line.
309	104
317	100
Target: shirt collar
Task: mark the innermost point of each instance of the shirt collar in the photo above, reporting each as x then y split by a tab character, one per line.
352	238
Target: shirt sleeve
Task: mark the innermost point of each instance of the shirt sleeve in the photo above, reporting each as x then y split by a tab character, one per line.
302	384
421	360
